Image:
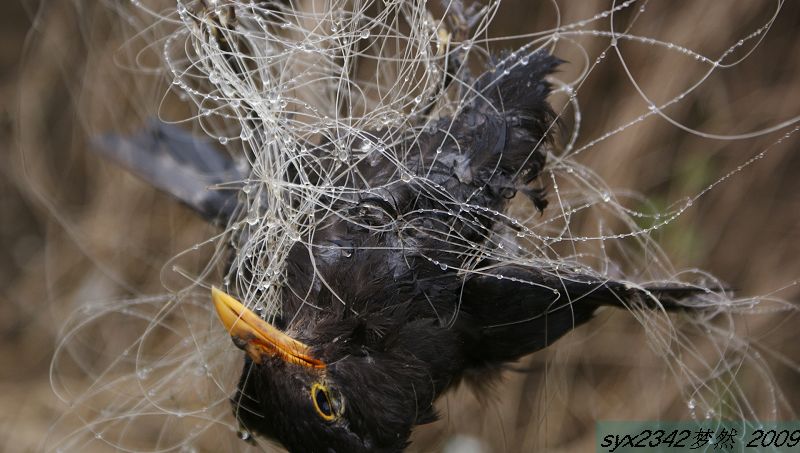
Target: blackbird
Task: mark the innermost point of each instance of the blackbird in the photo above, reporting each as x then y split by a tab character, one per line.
369	339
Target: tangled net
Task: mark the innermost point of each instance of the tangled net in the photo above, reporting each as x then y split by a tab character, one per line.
320	86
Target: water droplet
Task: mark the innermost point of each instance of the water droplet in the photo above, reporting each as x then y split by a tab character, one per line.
223	140
524	60
364	34
691	404
466	45
443	266
273	97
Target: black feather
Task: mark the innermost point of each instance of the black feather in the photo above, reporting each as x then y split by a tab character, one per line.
393	317
519	310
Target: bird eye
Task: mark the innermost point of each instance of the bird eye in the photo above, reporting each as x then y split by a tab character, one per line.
323	403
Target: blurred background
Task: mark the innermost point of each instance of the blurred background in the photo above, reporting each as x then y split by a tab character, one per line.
75	229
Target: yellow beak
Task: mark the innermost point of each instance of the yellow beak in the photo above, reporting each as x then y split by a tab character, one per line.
257	337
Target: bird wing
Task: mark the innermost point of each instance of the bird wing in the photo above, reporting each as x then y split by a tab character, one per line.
179	164
518	310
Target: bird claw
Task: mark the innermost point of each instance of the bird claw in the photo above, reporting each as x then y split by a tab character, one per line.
216	20
462	19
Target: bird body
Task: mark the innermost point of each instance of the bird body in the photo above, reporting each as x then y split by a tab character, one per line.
389	303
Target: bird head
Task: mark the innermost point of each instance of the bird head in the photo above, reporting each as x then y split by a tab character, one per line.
347	393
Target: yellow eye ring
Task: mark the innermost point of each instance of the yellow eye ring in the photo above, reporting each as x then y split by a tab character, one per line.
323	403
